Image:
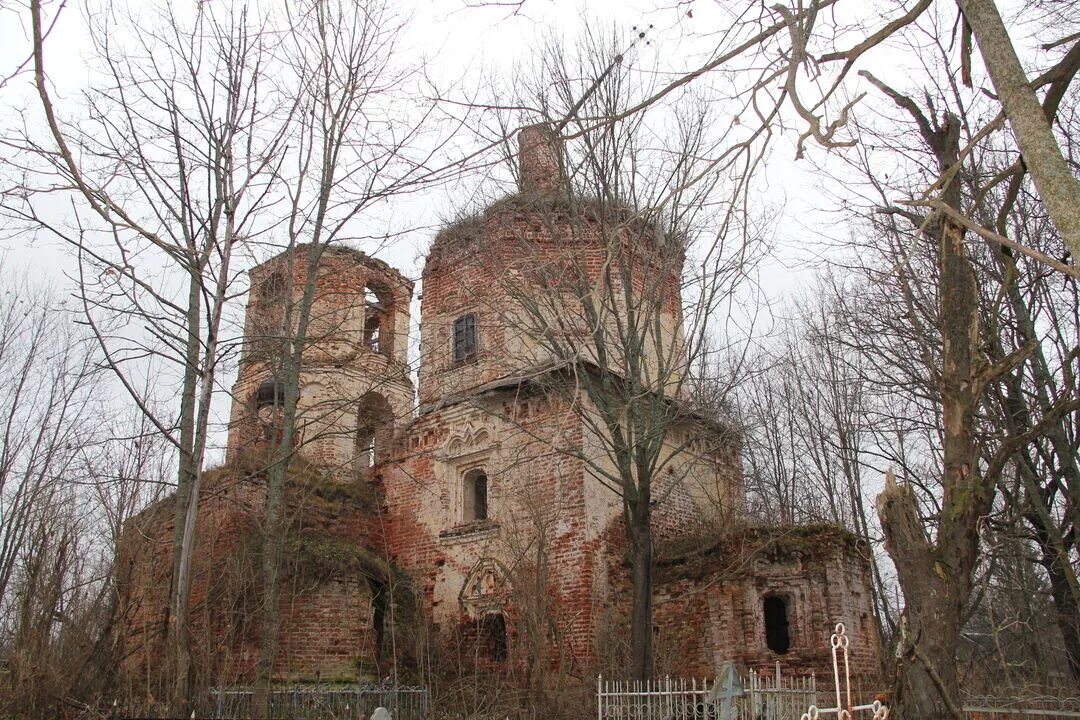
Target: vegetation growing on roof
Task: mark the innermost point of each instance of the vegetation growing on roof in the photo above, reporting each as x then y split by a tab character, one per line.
731	552
322	556
469	227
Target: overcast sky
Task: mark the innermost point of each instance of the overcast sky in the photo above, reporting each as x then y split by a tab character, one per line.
463	43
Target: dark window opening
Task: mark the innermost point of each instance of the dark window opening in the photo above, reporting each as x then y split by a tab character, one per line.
777	636
377	318
374	433
265	324
493	643
271	393
475	488
272	290
465	344
269	405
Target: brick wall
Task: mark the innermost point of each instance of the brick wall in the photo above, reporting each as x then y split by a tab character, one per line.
521	268
326	604
551	552
340	367
540	160
822	574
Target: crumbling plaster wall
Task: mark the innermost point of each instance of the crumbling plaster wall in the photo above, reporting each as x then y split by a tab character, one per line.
698	488
339	366
536	494
821	573
527	441
326	621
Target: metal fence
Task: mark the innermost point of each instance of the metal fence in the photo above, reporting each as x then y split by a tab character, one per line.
764	697
335	702
1021	707
776	697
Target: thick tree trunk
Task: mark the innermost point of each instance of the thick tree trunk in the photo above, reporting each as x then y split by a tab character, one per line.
1058	188
925	686
936	575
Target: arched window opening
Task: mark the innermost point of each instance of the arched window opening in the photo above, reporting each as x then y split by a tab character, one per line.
272	289
377	318
265	323
374	433
475	491
777	635
465	338
493	642
269	402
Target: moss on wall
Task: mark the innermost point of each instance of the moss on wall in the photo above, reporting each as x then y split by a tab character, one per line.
730	553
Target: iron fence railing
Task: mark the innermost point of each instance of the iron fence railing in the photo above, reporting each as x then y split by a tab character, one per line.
763	697
336	702
1021	707
777	697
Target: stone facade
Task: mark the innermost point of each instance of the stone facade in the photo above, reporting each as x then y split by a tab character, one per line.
488	497
355	370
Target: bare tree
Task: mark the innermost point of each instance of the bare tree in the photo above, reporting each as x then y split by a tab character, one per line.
46	401
809	416
170	169
211	134
352	149
811	48
941	335
68	481
611	301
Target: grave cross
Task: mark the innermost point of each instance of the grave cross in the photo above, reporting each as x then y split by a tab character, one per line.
726	688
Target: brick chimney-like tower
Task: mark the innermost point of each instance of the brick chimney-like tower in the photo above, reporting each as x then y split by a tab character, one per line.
540	156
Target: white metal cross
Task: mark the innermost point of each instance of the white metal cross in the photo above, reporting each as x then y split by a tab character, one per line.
843	710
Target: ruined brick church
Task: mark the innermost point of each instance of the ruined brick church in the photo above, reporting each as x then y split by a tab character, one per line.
472	511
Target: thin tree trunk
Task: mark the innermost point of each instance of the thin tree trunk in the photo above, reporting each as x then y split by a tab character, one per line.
190	503
277	474
185	510
1058	188
1062	589
1054	555
639	533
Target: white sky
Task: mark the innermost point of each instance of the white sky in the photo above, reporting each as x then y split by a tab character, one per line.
461	43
